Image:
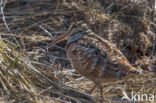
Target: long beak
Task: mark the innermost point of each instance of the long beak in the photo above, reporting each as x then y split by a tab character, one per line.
62	37
58	40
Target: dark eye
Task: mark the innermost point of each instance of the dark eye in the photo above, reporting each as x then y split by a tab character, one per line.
74	26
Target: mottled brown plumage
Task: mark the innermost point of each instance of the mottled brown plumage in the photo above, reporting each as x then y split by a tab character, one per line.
94	57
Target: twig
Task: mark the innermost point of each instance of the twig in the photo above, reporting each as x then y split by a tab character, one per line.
5	23
111	5
57	6
46	31
3	17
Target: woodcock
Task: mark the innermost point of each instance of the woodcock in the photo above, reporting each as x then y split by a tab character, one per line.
94	57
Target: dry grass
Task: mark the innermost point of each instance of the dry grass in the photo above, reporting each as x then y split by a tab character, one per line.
32	73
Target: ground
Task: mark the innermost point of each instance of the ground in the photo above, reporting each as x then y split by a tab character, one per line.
33	73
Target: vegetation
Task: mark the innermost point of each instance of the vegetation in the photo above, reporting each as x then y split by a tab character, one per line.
30	72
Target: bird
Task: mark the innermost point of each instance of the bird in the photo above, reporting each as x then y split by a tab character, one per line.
94	57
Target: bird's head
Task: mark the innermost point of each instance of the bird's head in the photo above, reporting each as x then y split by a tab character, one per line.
72	32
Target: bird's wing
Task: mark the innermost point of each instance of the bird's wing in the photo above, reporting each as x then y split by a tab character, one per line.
114	55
